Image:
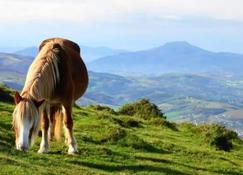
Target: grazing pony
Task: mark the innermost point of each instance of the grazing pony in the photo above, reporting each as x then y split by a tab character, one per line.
56	78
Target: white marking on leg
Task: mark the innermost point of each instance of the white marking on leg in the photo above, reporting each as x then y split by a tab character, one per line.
44	145
69	138
70	141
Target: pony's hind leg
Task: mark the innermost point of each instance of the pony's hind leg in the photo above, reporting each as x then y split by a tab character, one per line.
52	122
44	145
68	128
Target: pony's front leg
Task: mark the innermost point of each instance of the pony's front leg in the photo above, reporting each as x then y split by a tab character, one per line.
44	145
68	127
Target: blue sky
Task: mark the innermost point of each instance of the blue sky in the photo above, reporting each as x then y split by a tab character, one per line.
127	24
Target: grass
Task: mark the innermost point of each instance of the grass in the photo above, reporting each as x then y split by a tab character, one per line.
111	143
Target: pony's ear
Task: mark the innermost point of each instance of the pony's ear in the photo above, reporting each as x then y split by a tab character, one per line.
17	98
38	103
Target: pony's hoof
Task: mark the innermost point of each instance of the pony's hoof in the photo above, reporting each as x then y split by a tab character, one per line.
42	151
72	151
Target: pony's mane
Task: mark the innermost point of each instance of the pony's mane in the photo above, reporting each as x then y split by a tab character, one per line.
43	74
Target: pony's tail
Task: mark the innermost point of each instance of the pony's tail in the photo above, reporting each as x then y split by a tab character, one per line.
57	122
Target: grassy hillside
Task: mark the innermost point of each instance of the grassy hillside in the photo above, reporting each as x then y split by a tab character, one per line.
126	142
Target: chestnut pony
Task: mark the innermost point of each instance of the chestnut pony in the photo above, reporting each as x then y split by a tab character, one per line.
56	78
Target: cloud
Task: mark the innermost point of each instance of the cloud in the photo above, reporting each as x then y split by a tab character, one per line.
91	11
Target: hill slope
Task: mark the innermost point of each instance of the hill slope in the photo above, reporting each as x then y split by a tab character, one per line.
180	57
111	143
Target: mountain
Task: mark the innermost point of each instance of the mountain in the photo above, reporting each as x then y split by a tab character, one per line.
92	53
29	51
10	49
88	53
14	63
180	57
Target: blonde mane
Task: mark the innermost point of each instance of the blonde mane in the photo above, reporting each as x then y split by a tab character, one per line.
43	74
26	108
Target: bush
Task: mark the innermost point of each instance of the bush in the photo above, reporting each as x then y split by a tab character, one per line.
142	109
218	136
214	135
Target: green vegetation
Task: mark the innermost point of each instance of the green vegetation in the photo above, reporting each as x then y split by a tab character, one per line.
214	135
142	109
5	94
112	142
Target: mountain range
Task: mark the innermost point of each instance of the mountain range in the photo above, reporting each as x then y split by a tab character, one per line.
88	53
179	57
188	83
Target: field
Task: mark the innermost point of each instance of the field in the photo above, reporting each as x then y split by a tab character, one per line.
111	143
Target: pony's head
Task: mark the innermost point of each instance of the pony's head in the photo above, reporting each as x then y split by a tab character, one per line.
25	121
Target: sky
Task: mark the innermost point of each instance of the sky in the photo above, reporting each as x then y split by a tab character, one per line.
215	25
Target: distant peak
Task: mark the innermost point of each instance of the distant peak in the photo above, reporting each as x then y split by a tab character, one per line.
178	44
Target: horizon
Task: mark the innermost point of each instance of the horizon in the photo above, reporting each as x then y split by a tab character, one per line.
13	49
126	25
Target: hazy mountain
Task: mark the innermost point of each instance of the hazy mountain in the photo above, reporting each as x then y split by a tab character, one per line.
29	51
14	63
180	57
88	53
92	53
10	49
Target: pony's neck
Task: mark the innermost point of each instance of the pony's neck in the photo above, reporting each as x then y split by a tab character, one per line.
37	90
43	74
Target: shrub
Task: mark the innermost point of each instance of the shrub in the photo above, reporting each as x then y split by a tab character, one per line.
218	136
214	135
142	109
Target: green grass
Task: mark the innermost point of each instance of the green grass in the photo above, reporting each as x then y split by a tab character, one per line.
109	144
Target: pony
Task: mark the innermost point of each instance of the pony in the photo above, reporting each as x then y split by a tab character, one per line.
55	79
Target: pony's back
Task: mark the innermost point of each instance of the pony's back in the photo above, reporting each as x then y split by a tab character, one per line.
58	70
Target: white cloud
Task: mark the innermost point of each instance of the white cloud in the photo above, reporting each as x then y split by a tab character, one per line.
90	11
